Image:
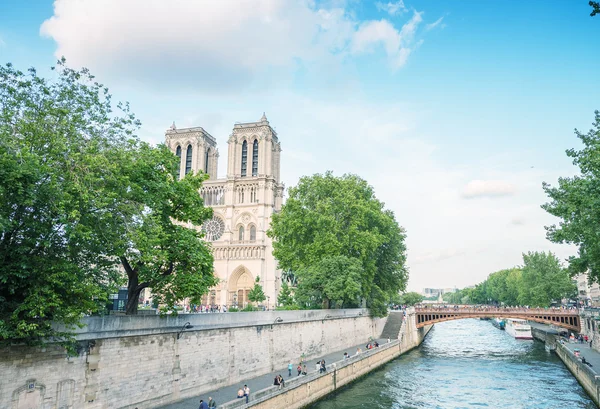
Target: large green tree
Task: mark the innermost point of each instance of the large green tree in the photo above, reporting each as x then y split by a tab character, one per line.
576	201
544	280
150	228
56	137
257	293
80	195
595	8
328	217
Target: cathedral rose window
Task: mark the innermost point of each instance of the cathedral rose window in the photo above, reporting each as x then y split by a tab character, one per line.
213	229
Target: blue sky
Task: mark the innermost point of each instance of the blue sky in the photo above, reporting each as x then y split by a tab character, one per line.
455	112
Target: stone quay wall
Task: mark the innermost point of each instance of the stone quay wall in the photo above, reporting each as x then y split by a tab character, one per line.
583	373
128	362
302	391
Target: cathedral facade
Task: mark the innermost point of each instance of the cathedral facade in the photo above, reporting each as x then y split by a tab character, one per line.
243	203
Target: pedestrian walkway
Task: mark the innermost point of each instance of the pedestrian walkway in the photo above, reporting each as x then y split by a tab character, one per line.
590	355
228	393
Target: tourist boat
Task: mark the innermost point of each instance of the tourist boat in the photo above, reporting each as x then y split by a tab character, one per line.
518	328
498	323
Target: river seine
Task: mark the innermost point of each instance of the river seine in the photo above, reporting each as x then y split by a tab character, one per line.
467	364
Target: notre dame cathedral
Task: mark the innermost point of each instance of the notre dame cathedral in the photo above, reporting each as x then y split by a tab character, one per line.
243	203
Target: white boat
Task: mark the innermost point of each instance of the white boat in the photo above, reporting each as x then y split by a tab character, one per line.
518	328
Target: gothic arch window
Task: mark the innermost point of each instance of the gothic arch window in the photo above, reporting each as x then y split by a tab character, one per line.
241	233
188	159
206	161
178	153
252	233
255	158
244	157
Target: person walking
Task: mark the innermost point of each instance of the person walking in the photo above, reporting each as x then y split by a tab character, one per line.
290	367
299	369
247	393
304	370
203	405
211	403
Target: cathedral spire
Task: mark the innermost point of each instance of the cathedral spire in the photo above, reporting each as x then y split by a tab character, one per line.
263	118
173	127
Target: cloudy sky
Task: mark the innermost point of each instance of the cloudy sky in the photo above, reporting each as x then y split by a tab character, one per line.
455	112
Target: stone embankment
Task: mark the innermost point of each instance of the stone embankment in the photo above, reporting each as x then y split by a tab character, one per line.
128	362
585	375
299	392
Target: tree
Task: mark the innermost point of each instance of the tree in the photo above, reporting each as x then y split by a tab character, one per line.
56	143
412	298
148	229
333	282
576	200
544	280
326	217
79	195
285	297
257	294
595	8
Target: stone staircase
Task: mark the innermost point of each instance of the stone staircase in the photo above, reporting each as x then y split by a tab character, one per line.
392	326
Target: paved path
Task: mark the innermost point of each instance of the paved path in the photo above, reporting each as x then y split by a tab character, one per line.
591	355
228	393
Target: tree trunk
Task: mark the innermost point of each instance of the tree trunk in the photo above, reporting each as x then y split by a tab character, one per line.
133	295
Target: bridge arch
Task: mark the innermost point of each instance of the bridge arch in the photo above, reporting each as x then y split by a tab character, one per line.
568	319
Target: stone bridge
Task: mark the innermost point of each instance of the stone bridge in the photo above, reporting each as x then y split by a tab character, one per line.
568	319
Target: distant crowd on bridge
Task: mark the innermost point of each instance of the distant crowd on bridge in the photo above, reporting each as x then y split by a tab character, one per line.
494	308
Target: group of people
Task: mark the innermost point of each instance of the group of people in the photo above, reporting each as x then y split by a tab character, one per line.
211	404
244	393
301	368
279	382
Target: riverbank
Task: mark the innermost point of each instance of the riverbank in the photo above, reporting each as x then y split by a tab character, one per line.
586	376
300	391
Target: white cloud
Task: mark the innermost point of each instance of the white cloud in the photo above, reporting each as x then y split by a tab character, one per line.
391	8
436	23
487	188
215	46
397	44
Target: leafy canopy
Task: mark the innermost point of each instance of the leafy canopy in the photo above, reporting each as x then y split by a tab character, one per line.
56	141
340	242
411	298
79	195
576	201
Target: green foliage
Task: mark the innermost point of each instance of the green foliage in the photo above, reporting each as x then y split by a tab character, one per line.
540	281
56	138
257	294
330	223
411	298
333	282
147	228
544	280
576	200
595	8
79	194
285	298
233	309
249	308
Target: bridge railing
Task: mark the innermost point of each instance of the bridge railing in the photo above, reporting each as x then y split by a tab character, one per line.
507	310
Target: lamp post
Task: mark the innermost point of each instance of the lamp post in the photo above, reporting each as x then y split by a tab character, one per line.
187	325
268	300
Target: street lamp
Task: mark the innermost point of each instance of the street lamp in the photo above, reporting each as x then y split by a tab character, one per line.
268	300
278	319
187	325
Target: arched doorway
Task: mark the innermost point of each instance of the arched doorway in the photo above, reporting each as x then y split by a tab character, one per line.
240	284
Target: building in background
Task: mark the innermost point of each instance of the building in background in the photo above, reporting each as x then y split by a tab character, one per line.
588	294
243	203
